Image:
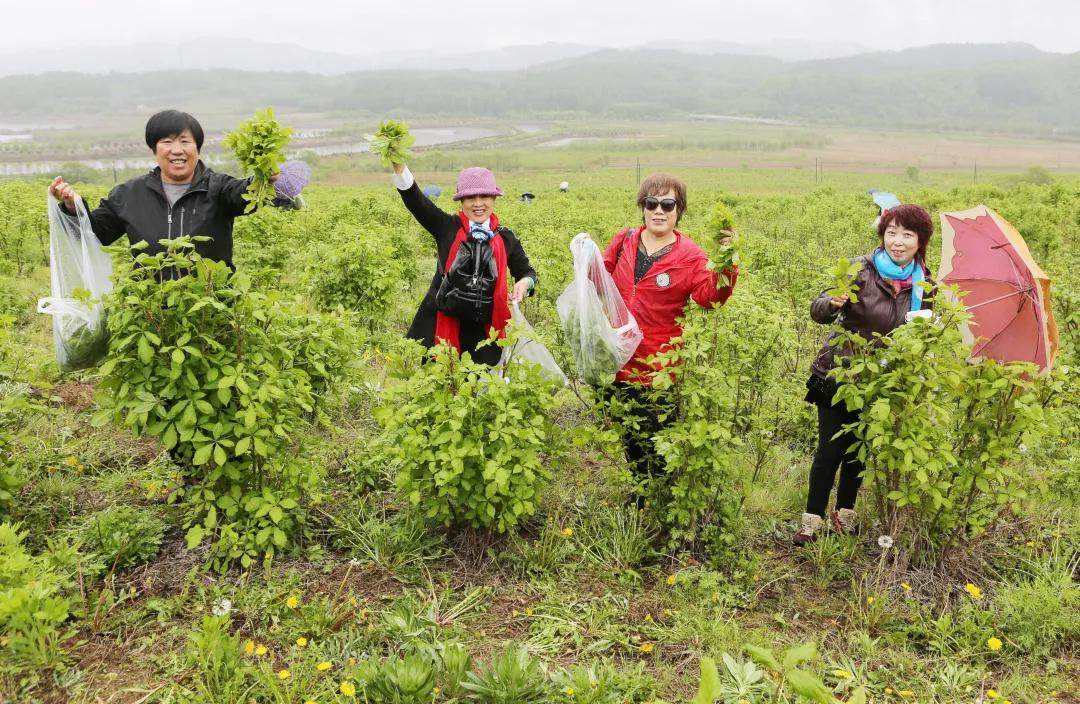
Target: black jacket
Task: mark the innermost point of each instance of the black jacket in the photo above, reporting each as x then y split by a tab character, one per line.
138	207
444	227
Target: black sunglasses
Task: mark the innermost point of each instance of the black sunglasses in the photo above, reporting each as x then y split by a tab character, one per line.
667	204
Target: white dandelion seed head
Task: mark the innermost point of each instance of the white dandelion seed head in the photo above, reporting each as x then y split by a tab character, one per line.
1022	447
885	541
884	363
222	608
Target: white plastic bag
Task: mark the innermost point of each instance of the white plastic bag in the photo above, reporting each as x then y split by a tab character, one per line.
81	272
528	349
601	332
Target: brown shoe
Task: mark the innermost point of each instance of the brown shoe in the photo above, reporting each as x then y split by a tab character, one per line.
808	532
844	521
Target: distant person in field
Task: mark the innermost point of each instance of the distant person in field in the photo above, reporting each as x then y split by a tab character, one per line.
181	196
469	292
658	269
888	291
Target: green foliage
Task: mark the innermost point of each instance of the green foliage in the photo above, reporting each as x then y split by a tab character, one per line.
472	447
215	656
363	275
259	147
844	280
941	437
392	142
209	367
512	677
801	681
124	536
33	608
1039	613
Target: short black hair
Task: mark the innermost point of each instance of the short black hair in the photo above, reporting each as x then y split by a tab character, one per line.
169	123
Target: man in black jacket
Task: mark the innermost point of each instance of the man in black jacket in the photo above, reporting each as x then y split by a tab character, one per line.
182	196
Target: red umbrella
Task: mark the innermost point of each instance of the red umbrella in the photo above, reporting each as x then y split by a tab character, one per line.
1002	287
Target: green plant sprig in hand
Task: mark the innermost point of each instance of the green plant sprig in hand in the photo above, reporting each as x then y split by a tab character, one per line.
725	255
844	275
259	146
392	142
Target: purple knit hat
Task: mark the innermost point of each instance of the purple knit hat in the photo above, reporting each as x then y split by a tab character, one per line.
476	181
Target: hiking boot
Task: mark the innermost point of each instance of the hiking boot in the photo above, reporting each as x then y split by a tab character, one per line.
843	521
811	524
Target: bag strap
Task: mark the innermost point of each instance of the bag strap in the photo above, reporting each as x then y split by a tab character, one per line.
625	234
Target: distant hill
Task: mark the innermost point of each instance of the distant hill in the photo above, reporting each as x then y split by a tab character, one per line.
1011	88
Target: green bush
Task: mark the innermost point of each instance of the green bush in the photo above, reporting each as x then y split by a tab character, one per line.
213	370
942	438
124	536
471	446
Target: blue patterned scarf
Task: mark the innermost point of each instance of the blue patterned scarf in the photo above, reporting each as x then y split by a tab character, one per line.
892	271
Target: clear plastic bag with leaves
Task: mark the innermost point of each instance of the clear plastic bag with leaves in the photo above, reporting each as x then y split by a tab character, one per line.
600	330
81	277
527	348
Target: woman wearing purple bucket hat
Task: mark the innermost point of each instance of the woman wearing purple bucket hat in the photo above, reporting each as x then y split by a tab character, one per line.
469	292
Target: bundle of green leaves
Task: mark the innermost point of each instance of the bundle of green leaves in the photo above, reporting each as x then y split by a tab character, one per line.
259	147
392	142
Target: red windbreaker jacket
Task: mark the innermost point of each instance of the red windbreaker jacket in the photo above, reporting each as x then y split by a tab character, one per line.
659	298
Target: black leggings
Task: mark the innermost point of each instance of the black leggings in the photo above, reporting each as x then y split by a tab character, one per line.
638	422
832	454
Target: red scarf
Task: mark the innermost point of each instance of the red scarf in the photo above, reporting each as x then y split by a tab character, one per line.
447	327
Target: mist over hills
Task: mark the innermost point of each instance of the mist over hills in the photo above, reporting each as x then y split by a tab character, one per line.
1012	88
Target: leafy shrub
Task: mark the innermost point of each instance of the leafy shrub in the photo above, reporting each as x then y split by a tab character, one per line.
470	445
33	607
941	437
210	367
124	536
361	275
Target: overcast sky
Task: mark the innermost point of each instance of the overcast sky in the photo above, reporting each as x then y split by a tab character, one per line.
363	26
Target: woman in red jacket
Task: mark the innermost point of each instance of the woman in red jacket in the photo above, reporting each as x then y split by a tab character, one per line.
657	269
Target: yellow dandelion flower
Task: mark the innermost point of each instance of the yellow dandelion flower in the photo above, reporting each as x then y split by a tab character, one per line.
842	674
906	693
324	666
888	690
993	643
71	461
648	618
348	689
568	691
310	701
292	602
283	675
567	532
991	694
371	628
529	611
869	600
1030	543
260	650
905	586
973	591
646	647
671	580
301	641
249	647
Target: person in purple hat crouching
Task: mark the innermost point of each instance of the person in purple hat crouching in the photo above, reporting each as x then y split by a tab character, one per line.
469	292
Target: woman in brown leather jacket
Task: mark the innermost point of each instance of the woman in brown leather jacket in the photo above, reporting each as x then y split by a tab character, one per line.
888	292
